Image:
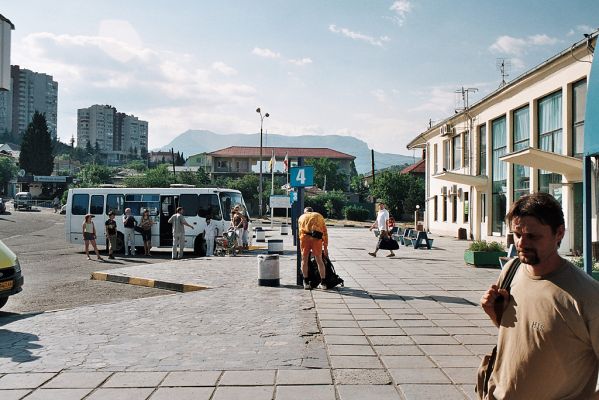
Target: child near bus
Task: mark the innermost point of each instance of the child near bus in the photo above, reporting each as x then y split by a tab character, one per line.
89	236
110	226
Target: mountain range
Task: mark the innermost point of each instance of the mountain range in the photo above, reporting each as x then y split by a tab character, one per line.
200	141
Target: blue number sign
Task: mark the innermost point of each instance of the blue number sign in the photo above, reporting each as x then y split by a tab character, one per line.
301	176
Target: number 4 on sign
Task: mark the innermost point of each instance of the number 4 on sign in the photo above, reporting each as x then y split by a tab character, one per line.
301	177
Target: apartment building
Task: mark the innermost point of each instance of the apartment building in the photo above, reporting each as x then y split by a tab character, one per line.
117	136
30	92
525	137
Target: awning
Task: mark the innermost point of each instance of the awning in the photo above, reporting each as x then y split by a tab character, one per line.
569	167
478	181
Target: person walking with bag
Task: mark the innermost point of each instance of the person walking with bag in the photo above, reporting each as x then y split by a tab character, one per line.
313	238
179	223
129	223
382	224
548	317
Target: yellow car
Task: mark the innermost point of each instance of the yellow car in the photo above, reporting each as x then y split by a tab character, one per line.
11	279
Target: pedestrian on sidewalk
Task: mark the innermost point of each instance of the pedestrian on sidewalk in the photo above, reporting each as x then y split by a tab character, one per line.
210	234
179	223
129	223
56	204
548	342
146	231
313	238
111	233
382	224
237	225
89	236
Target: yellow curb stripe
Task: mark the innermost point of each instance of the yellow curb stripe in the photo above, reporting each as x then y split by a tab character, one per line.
192	288
141	282
151	283
99	276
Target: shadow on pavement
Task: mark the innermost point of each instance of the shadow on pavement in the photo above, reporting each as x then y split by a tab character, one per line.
18	345
385	296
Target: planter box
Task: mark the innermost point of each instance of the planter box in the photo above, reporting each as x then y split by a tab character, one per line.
483	258
596	275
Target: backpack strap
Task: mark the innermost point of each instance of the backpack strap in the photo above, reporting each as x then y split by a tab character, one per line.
512	268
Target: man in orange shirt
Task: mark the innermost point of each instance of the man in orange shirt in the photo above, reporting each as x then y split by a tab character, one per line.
313	238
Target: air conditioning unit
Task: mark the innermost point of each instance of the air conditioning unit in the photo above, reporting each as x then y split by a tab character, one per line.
454	190
444	190
446	129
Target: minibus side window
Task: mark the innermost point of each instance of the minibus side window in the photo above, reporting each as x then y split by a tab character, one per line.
189	202
209	205
115	202
97	205
79	204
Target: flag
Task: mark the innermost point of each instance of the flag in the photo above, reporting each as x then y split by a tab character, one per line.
272	162
286	162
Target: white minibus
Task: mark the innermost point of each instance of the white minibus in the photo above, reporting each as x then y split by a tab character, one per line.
198	203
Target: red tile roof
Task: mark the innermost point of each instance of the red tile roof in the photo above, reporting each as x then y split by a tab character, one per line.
294	152
418	168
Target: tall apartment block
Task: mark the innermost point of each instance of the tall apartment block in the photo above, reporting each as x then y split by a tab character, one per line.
116	135
30	92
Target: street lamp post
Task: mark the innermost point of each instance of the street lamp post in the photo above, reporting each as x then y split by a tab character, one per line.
260	186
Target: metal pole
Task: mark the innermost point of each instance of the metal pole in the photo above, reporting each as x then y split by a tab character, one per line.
299	209
587	217
260	185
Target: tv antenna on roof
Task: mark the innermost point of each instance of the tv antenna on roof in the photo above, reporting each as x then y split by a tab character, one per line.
462	95
503	66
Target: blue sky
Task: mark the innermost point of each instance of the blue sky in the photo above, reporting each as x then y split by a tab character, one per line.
377	69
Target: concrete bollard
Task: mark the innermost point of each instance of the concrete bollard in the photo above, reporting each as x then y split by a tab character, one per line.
285	229
275	246
268	270
260	234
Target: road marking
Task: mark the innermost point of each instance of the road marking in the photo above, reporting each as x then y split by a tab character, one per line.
151	283
12	237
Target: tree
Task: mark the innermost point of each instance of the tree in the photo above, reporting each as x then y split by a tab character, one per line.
159	176
137	165
400	192
36	148
94	174
325	167
8	170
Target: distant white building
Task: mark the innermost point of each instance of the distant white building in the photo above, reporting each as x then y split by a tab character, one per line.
30	92
117	135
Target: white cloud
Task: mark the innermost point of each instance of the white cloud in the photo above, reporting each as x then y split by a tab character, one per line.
223	68
266	53
401	8
380	95
301	62
510	45
136	79
359	36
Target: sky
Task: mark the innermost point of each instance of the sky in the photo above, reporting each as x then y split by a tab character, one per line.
377	70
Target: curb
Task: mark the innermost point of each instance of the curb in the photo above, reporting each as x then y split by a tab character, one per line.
151	283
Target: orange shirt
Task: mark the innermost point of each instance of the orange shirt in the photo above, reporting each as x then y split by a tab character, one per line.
313	221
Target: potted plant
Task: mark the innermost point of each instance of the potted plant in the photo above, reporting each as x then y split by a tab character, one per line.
483	253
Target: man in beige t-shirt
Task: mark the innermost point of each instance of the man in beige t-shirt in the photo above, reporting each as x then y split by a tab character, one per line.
548	344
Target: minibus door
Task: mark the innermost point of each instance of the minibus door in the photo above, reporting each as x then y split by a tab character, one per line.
168	207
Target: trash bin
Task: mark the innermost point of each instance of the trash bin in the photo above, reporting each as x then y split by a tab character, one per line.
268	270
285	229
260	234
462	234
275	246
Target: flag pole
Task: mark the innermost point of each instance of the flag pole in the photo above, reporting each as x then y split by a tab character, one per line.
272	184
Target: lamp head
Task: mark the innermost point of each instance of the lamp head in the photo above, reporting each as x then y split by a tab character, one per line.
267	115
258	109
417	207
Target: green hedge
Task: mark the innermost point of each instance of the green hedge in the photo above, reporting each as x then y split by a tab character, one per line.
355	213
483	245
330	205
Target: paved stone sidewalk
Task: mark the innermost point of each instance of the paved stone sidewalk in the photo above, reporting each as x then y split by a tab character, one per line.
403	328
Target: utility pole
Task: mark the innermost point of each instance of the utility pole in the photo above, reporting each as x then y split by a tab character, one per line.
372	164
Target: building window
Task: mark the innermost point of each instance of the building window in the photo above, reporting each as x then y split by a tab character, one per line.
579	100
444	214
446	155
550	123
521	129
224	164
456	152
482	150
466	155
435	208
454	208
499	175
466	207
550	139
435	159
483	207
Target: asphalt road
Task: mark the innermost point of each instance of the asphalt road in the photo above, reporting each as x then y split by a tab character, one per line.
57	273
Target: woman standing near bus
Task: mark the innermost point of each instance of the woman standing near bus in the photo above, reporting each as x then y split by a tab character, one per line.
89	235
146	231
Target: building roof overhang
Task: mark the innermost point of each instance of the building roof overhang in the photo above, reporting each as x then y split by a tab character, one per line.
569	167
478	181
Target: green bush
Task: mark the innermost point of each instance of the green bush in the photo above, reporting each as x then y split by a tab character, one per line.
483	245
330	205
355	213
579	262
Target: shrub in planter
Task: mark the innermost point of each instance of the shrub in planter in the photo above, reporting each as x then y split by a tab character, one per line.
579	262
355	213
481	252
